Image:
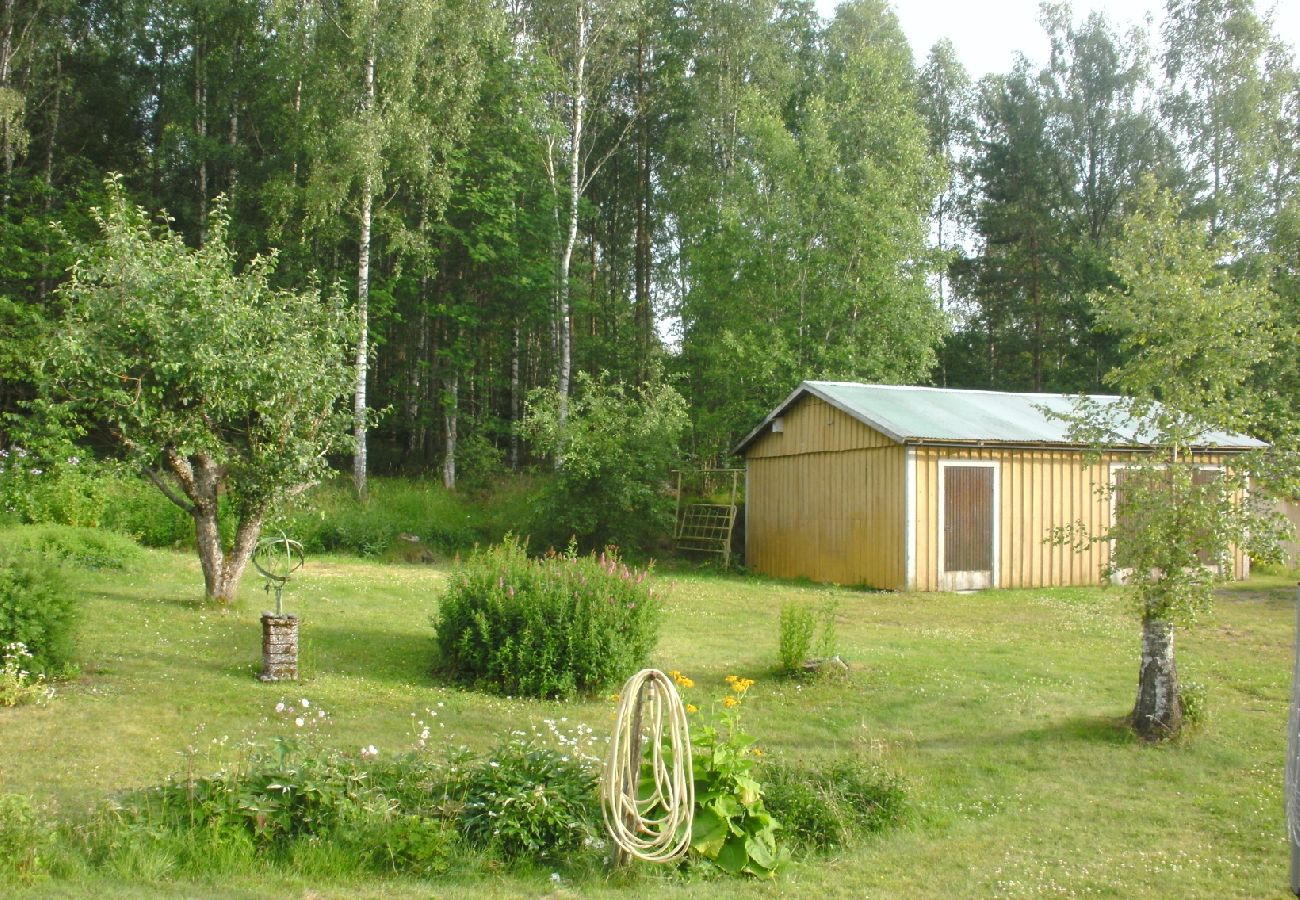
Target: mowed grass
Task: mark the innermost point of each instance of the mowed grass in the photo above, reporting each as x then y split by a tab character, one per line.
1003	710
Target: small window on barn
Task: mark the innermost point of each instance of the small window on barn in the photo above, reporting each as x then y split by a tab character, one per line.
778	425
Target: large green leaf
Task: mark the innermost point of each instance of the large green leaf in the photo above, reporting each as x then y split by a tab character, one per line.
732	857
708	833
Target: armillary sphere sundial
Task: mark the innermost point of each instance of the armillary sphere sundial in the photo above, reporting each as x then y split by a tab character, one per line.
277	558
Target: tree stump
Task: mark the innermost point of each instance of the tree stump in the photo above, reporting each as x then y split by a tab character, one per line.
279	647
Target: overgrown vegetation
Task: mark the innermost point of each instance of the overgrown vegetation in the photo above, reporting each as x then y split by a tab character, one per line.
321	811
828	806
614	449
38	611
563	625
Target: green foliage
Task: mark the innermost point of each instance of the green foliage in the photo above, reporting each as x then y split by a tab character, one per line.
84	548
560	626
200	372
134	507
733	828
614	451
797	628
38	611
25	839
827	807
329	518
529	802
281	802
1190	336
1194	700
17	683
42	487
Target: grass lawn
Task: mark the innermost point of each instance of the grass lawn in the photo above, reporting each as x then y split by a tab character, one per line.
1002	710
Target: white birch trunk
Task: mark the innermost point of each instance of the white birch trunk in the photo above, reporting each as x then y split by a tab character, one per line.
1157	713
359	460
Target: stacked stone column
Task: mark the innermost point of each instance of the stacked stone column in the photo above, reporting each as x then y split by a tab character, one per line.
279	647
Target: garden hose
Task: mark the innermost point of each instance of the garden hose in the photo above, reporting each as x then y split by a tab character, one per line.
656	827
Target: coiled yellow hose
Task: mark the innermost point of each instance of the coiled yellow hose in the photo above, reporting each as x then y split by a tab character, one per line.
657	827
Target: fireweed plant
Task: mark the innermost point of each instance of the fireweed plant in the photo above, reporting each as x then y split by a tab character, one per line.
556	627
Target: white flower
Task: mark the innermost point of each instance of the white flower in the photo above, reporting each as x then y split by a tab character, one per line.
555	877
305	702
369	752
279	707
299	721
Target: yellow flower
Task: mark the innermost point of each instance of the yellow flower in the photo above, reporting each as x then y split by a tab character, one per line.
675	674
732	679
615	697
692	708
756	751
740	685
683	681
730	702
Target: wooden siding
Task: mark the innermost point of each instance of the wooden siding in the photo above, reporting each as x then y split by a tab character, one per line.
825	500
1039	488
814	426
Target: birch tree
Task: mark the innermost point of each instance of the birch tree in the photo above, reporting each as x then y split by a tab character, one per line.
1190	336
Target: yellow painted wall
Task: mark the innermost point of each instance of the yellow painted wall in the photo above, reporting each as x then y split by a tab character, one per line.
1039	489
824	500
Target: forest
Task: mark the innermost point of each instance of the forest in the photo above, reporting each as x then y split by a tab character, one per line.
728	196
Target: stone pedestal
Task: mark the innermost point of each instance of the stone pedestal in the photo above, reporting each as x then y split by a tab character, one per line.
279	647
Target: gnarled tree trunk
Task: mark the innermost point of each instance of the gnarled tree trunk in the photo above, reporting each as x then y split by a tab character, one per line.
200	480
1157	714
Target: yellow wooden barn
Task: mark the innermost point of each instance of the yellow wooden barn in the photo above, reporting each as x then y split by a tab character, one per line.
929	489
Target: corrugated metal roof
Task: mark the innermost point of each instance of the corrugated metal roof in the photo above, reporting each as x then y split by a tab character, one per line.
917	414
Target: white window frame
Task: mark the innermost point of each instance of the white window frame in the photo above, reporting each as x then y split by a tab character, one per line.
995	576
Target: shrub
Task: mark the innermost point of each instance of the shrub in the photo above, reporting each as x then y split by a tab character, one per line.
826	807
25	837
37	611
530	801
618	447
552	627
85	548
283	799
796	637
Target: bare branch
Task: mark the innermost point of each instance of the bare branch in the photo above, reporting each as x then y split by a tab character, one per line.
168	492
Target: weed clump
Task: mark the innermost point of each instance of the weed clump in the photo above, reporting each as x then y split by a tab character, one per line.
826	807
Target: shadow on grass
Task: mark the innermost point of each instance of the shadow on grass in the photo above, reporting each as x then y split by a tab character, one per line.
1077	730
377	654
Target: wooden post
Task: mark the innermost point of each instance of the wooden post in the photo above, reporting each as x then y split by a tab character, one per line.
632	775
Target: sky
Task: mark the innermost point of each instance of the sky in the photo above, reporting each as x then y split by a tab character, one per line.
987	33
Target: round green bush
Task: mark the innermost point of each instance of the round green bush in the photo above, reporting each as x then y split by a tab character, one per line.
37	610
558	626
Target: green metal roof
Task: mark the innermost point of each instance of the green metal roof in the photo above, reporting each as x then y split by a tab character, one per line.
922	414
